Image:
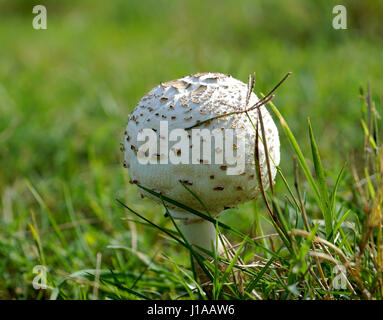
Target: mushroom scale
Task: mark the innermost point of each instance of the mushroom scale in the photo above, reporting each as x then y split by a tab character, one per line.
186	102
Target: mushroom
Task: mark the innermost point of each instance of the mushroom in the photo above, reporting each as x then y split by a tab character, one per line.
190	102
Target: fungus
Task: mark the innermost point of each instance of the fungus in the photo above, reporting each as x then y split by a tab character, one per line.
218	94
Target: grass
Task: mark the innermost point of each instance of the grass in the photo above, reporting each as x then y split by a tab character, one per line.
65	96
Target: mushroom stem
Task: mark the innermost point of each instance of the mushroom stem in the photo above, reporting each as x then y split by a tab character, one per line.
201	233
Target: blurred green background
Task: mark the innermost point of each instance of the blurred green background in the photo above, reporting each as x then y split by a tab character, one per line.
66	92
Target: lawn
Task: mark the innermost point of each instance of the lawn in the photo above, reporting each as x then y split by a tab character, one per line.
65	97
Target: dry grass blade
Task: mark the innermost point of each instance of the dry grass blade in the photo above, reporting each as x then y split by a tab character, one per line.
339	252
264	140
97	276
260	182
266	99
259	104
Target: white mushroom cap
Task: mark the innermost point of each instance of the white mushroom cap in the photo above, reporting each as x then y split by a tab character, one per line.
186	102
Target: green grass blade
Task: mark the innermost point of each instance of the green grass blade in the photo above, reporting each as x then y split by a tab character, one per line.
299	154
254	282
319	172
231	265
